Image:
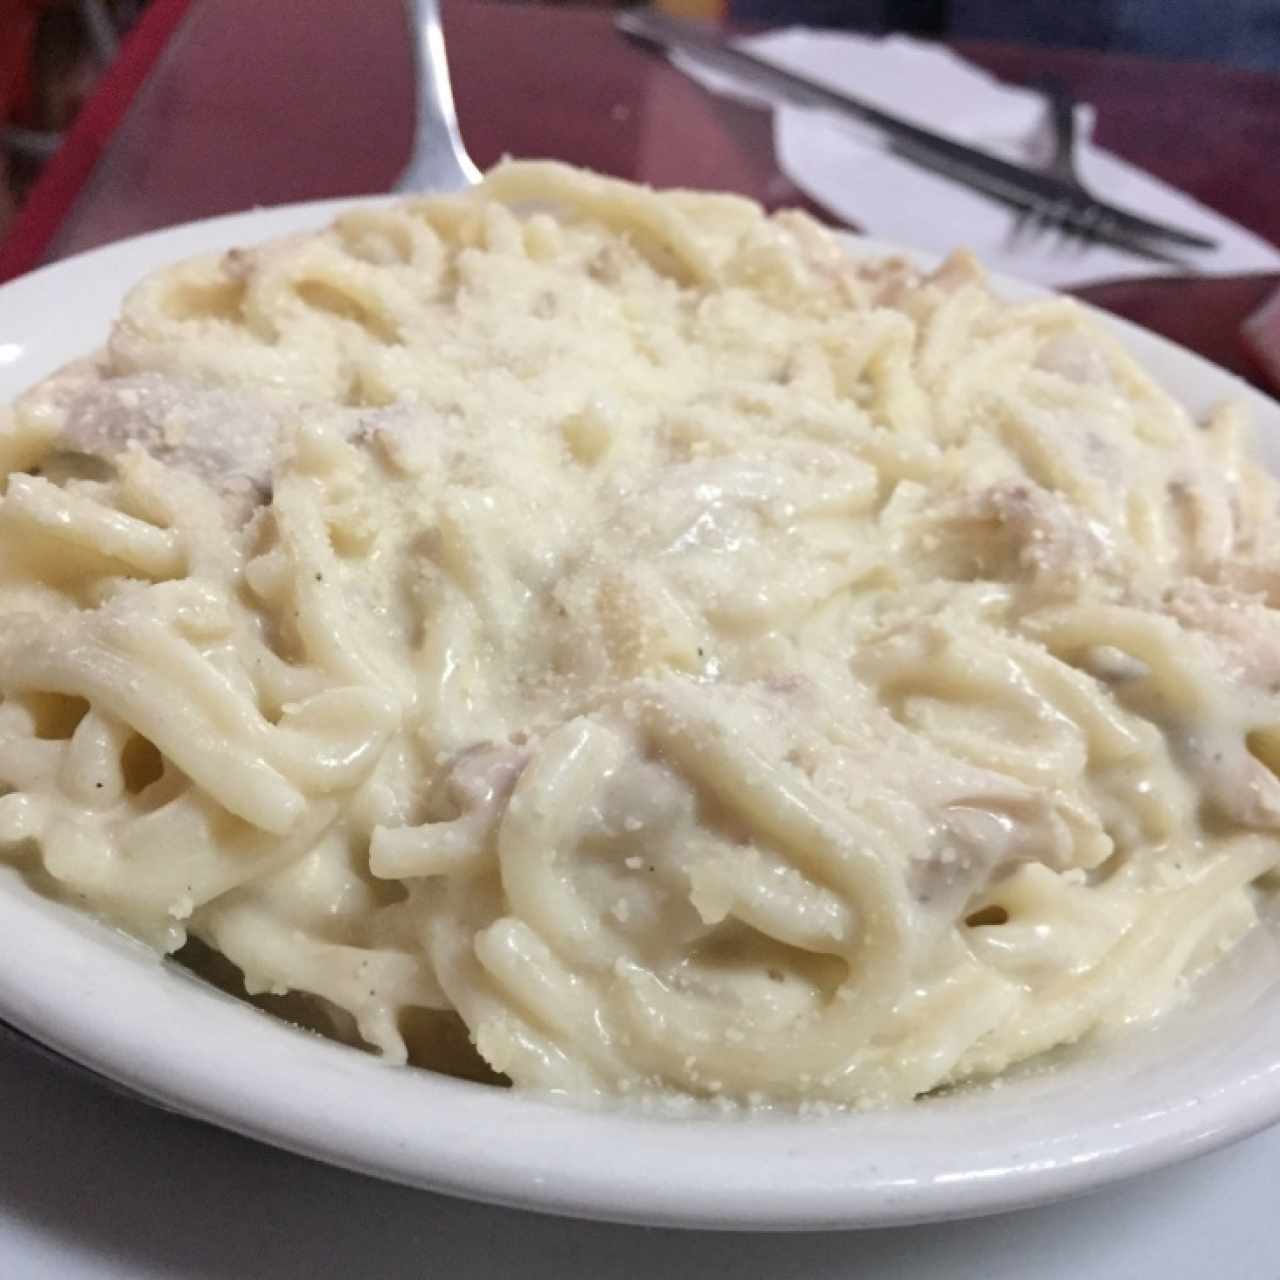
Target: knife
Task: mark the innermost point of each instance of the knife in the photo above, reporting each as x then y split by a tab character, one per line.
1029	191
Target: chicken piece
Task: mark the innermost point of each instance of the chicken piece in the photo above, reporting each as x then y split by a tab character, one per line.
1019	531
1243	632
225	438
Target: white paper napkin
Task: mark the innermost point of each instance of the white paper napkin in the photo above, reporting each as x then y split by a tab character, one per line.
845	168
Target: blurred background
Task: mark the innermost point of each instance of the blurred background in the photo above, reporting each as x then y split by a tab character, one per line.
1245	33
52	52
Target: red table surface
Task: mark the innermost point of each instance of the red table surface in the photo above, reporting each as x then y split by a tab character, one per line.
241	103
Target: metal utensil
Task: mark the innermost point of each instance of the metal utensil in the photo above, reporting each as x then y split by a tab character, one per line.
1048	195
1042	220
1062	121
439	161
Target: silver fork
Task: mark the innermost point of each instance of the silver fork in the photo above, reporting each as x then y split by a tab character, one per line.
1049	217
1038	220
438	161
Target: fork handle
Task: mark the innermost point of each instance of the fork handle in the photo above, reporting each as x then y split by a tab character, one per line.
439	161
1062	119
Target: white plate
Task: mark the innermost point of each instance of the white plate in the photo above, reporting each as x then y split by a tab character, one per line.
1204	1076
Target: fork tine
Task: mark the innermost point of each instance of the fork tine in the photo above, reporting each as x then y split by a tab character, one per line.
1066	224
1052	221
1079	227
1039	220
1086	230
1051	218
1023	219
1103	223
1030	223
